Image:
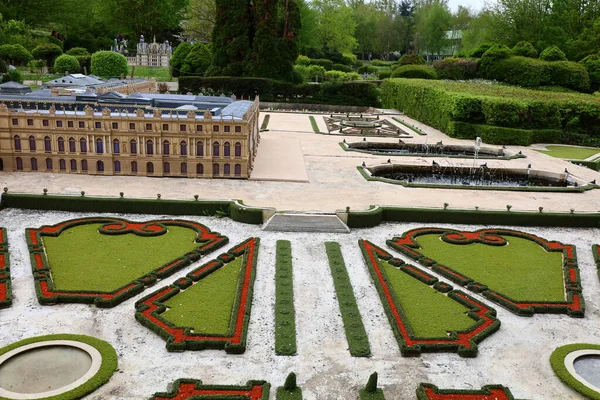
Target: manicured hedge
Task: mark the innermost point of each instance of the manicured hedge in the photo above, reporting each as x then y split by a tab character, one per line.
285	315
456	68
596	251
335	93
414	72
557	360
5	282
358	342
427	391
375	215
195	389
538	116
289	391
237	212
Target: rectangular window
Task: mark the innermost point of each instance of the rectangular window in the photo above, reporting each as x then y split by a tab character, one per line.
59	124
165	127
29	122
81	124
182	128
198	128
148	127
227	129
115	125
132	126
69	124
45	122
98	125
238	129
15	121
215	128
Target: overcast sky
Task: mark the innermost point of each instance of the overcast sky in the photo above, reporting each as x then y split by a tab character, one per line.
476	5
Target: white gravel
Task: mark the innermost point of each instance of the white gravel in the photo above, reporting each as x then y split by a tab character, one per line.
516	356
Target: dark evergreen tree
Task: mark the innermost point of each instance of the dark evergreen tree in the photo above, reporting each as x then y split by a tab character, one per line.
232	38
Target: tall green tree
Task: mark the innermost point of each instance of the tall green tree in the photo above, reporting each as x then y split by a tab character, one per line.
335	26
147	17
231	38
433	20
199	20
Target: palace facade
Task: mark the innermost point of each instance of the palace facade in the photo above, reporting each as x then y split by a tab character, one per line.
130	135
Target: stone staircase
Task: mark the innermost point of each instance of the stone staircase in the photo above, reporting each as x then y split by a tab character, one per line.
320	223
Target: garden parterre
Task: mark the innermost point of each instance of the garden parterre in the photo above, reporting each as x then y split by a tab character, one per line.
325	368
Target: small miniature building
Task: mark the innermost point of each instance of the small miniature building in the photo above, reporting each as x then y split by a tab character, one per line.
14	88
151	54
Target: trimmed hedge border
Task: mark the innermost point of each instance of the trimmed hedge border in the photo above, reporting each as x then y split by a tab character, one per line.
557	360
107	367
184	389
149	308
234	209
414	128
285	315
596	251
48	294
462	342
5	282
265	123
569	189
376	215
573	305
427	391
358	341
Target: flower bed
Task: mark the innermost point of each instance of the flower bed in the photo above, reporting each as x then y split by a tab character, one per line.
43	270
180	338
540	283
184	389
427	391
358	342
285	315
463	341
5	285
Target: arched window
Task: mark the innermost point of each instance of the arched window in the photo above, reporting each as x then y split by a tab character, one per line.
183	168
117	166
215	169
34	166
100	166
134	166
133	146
72	145
1	165
150	168
73	165
47	144
166	148
49	164
99	146
216	149
116	146
62	164
183	148
238	149
226	169
17	139
82	145
149	147
199	148
31	143
237	169
19	164
61	145
227	149
84	166
199	169
166	168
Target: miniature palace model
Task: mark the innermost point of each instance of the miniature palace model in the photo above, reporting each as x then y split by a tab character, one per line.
144	134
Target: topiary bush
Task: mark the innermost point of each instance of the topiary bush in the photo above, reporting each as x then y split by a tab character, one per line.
77	51
303	60
15	54
456	68
524	49
592	65
341	67
367	69
570	75
384	74
13	76
411	59
66	63
178	58
552	53
197	60
494	54
480	50
323	62
109	64
47	52
414	71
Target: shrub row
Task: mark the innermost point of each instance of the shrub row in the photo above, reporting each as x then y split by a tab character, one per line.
573	304
465	344
5	282
337	93
414	72
285	315
48	294
178	338
427	391
234	209
596	251
195	389
358	341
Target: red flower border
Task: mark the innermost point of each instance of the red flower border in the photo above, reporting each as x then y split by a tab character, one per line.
5	285
427	391
149	308
572	306
47	293
184	389
463	342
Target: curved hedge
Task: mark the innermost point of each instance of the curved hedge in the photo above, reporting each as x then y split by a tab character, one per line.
558	365
414	72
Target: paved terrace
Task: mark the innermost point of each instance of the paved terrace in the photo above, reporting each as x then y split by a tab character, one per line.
298	170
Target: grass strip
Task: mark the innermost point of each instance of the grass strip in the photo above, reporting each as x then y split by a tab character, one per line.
358	341
285	321
414	128
570	152
314	125
265	123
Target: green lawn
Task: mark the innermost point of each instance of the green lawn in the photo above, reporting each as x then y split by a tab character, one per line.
521	270
570	152
207	306
429	313
160	73
81	258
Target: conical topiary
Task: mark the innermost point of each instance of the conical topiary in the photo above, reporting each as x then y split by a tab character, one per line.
290	382
371	386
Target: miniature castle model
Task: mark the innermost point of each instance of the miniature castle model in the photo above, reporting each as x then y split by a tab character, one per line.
151	54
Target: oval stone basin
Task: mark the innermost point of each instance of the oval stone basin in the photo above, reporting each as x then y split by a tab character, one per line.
44	369
588	367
